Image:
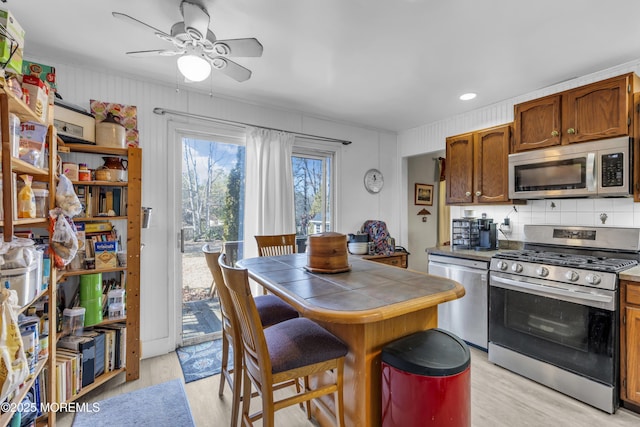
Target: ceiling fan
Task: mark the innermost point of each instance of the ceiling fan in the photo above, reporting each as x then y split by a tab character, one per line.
196	46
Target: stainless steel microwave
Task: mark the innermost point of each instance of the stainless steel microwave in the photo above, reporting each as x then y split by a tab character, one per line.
589	169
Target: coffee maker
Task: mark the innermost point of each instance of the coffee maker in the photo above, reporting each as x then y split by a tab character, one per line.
488	231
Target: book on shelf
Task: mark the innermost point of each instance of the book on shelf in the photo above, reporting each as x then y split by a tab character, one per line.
98	227
85	346
109	348
120	350
98	338
72	372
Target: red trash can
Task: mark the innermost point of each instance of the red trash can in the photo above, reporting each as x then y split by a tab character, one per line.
426	381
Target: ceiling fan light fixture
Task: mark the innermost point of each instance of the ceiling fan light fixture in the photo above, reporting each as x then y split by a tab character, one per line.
194	68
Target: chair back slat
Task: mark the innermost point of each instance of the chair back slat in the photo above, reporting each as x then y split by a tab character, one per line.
254	344
226	305
273	245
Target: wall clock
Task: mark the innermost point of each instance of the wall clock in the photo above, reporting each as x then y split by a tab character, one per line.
373	181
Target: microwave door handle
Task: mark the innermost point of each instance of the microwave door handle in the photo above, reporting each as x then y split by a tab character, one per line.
591	172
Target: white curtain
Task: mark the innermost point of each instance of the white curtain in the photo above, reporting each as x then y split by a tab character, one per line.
269	205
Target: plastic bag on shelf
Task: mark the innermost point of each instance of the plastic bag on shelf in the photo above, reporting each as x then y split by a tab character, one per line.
14	367
66	198
64	240
26	199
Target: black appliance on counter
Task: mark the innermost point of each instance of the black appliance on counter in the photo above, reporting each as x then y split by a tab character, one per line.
554	312
474	233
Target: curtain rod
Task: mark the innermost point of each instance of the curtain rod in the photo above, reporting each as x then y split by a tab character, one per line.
162	111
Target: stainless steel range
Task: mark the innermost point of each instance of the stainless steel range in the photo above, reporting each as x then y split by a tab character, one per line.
553	308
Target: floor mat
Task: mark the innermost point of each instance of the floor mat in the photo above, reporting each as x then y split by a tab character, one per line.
201	360
149	406
200	318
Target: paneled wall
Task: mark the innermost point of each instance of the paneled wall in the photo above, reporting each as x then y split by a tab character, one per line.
430	138
160	276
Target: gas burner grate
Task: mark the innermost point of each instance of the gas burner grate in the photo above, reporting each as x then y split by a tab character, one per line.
569	260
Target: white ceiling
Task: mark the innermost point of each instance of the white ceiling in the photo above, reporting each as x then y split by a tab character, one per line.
388	64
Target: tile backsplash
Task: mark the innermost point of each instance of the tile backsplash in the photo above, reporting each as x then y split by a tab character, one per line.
606	212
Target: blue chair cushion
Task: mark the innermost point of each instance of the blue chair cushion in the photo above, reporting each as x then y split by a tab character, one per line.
301	342
272	310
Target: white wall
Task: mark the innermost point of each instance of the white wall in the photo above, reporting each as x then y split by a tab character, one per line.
430	138
79	83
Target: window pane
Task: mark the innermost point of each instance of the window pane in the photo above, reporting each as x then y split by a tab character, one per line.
212	191
311	180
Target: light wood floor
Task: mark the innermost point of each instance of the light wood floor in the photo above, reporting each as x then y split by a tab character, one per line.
498	398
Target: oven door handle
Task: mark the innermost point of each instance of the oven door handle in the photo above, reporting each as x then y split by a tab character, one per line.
551	291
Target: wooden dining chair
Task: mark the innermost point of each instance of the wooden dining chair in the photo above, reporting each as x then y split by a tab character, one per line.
285	353
278	244
271	310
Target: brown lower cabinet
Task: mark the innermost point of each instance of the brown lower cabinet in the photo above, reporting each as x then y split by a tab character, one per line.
630	343
398	259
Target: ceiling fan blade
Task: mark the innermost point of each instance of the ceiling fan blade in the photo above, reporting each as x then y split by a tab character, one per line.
159	52
196	20
139	23
250	47
230	68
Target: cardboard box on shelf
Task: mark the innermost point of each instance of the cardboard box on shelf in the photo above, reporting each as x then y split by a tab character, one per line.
106	254
11	49
46	73
35	93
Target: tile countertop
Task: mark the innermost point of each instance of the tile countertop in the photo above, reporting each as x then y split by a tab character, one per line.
632	274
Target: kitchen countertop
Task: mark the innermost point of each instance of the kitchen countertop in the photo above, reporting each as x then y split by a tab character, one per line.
632	274
473	254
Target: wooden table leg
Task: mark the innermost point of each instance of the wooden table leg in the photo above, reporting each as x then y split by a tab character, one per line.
362	382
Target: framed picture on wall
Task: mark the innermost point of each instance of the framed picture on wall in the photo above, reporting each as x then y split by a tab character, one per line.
424	194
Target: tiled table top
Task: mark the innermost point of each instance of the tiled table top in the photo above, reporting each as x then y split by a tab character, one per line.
369	291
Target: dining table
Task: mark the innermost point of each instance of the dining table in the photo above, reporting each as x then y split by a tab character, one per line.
367	307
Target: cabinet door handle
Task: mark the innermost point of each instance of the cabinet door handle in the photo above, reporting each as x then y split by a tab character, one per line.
571	131
555	133
478	193
468	193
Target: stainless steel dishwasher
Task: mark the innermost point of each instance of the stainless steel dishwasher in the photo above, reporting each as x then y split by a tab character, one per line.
467	317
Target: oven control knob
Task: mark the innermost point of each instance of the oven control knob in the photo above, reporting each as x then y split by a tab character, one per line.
542	271
502	265
516	268
592	279
571	275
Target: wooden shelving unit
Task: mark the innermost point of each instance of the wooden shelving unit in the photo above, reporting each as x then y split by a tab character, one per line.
9	103
133	244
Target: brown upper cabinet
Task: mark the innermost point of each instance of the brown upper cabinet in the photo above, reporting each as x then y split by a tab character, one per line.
477	169
587	113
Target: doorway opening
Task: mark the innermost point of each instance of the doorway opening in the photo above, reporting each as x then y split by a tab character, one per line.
212	194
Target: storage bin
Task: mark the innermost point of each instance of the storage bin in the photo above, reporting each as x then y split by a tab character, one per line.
42	202
24	281
115	296
73	321
426	381
116	311
90	286
93	311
